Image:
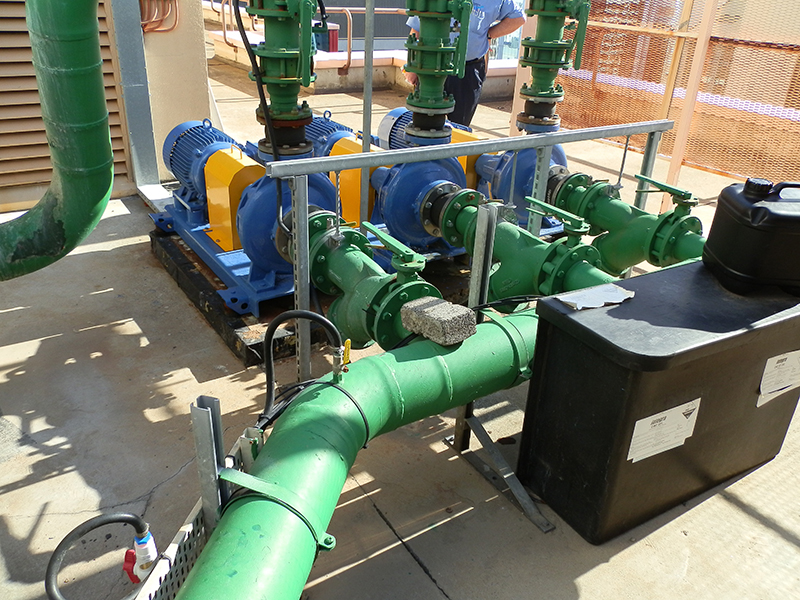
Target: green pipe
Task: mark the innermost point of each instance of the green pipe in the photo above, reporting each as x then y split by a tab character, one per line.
525	265
433	57
546	54
263	550
66	56
627	235
369	299
285	55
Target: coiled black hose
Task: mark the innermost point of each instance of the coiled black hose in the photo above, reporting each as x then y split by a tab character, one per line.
54	566
334	337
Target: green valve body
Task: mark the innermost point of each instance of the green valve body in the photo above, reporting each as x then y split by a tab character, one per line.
546	54
369	302
262	550
433	57
627	235
285	58
526	265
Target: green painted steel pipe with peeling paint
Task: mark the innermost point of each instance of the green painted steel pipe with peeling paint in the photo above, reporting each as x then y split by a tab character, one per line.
66	56
267	539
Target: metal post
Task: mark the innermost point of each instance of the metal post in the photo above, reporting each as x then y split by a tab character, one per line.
136	99
478	293
512	481
482	255
207	428
543	156
306	166
366	127
302	275
648	163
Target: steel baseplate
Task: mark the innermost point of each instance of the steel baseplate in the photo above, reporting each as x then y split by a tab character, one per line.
247	287
174	564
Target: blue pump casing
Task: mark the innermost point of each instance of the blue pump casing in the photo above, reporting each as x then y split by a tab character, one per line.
399	194
257	222
494	171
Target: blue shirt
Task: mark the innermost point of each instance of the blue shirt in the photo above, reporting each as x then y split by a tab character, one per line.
485	13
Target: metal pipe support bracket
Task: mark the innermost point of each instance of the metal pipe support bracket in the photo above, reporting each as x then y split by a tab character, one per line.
285	498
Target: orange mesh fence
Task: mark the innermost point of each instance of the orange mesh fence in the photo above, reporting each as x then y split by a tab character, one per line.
746	121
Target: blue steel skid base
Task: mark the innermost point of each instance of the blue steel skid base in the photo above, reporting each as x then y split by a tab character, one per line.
233	268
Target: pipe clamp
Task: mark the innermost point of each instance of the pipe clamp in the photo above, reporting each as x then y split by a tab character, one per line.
278	495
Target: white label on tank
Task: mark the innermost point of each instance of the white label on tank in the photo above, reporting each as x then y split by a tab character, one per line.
663	431
781	374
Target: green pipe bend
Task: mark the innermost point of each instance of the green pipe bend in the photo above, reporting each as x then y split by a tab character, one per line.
260	549
66	56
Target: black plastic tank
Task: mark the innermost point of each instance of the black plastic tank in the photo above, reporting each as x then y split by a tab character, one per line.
637	407
755	236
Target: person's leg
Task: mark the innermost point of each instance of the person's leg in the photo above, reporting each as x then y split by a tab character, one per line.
466	91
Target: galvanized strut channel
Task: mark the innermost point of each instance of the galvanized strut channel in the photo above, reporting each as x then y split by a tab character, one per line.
306	166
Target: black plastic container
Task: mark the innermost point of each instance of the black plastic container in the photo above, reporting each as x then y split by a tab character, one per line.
755	236
606	379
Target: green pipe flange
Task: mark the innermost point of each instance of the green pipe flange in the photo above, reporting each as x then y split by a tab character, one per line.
449	215
320	232
578	194
670	227
387	313
285	498
560	259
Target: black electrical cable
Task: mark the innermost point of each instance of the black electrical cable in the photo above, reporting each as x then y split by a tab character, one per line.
356	404
334	337
405	341
507	301
54	566
282	402
267	117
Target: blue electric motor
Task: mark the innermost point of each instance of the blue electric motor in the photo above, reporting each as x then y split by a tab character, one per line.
187	148
392	129
324	133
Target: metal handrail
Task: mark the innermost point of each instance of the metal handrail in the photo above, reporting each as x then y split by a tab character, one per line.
307	166
348	12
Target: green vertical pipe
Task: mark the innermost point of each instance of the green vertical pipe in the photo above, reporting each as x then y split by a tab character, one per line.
285	54
66	56
262	550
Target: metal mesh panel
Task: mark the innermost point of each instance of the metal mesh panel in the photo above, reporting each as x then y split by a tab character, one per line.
747	117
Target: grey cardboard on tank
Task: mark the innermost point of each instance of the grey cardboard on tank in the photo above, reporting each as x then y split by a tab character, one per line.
678	315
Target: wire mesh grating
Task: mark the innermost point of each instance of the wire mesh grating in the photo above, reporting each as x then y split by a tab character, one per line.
747	117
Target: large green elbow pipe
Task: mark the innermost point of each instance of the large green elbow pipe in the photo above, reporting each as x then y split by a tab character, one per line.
263	546
66	56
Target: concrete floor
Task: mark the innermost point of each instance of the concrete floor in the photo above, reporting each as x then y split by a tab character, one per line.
101	355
